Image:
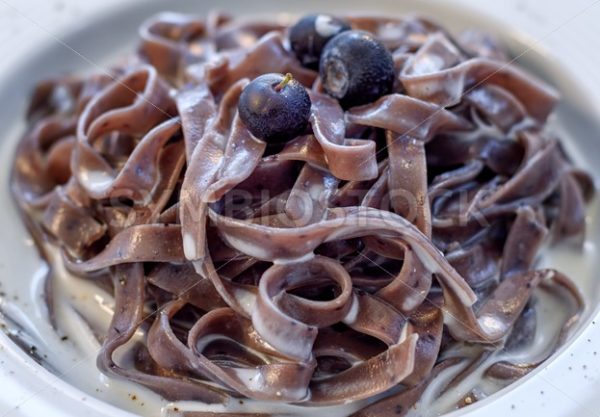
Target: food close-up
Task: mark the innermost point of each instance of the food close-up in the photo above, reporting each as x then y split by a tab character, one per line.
324	215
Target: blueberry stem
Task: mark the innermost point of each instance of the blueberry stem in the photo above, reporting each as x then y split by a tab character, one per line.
288	77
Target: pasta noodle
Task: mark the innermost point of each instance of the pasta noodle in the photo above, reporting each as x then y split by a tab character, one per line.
343	266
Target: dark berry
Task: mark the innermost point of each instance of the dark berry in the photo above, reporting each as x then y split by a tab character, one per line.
275	108
310	34
356	68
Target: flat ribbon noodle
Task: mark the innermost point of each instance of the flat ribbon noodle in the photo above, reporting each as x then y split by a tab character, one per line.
387	244
129	299
446	83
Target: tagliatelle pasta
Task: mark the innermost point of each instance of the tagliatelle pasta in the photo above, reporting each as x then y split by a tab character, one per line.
354	264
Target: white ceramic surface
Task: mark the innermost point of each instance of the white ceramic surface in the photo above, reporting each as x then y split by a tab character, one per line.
41	38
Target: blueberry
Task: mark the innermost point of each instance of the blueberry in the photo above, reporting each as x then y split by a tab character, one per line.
310	34
356	68
275	108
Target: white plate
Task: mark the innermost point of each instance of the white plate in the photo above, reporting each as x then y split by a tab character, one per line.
567	386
